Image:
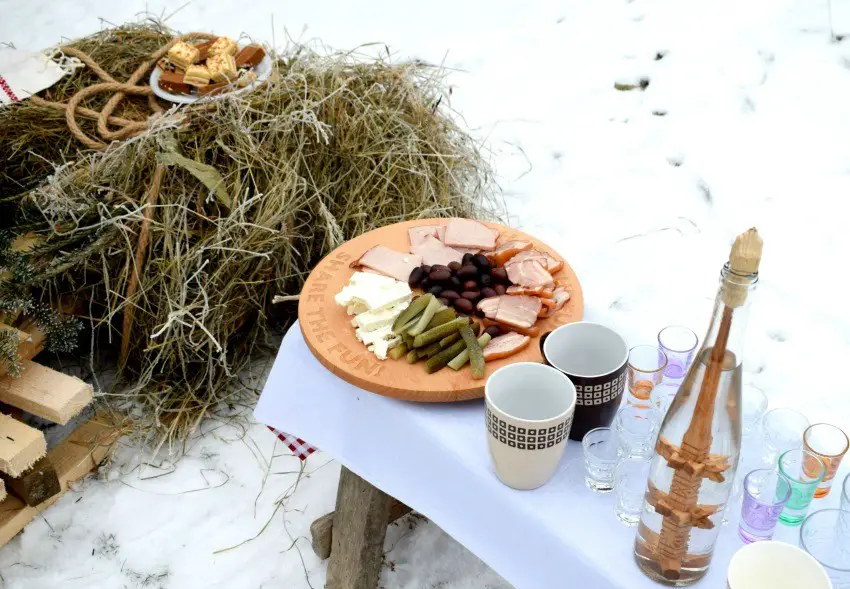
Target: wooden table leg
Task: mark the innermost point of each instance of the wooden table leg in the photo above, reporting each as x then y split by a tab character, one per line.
322	529
359	529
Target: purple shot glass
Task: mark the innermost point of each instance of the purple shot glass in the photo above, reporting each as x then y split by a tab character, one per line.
766	492
678	344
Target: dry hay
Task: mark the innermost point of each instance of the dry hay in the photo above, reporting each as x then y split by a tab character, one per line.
256	190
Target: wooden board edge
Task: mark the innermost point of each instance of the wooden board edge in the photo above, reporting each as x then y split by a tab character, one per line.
2	491
78	394
75	457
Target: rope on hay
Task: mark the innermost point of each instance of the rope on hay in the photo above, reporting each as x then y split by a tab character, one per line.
127	128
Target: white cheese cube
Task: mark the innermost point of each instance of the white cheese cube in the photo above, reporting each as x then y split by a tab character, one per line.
372	320
371	292
378	341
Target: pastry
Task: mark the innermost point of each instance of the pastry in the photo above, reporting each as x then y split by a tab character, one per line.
197	75
222	67
250	56
204	48
173	82
182	55
223	45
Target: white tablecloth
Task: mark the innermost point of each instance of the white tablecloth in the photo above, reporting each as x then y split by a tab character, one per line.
434	458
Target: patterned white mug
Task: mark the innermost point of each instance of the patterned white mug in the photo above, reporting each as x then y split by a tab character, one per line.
529	414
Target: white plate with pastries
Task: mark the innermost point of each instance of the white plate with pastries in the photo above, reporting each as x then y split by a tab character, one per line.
262	71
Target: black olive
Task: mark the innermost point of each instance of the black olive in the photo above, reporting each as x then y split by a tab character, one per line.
488	292
426	268
440	275
456	283
444	301
455	266
463	305
436	290
467	259
485	279
494	331
470	285
450	294
425	284
471	295
499	274
500	289
416	276
481	261
439	267
469	272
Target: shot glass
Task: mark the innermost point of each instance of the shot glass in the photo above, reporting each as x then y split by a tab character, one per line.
636	431
678	344
783	430
754	406
829	443
765	494
601	453
630	487
804	472
645	372
827	539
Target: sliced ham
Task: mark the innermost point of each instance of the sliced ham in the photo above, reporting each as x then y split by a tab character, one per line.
467	250
505	345
553	264
535	291
514	310
418	234
530	254
560	296
529	273
389	262
508	250
434	251
548	261
470	234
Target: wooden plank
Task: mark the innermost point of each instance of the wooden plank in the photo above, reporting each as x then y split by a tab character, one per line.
20	446
38	484
321	530
78	455
45	392
360	527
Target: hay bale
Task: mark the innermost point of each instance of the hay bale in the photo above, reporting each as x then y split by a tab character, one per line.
256	189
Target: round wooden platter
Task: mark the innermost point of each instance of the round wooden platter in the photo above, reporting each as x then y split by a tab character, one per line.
330	336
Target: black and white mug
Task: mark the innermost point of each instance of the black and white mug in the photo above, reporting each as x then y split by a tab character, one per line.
595	358
529	414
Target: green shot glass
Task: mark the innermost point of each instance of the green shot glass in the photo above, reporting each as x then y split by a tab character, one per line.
805	471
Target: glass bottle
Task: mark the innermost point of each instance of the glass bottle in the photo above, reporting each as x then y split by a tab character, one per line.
696	456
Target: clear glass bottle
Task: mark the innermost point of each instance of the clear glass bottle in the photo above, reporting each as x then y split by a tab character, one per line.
703	426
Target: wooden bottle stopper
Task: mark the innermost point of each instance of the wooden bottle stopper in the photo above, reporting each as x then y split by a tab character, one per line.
744	260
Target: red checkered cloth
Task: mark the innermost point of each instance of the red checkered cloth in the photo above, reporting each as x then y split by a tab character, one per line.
299	447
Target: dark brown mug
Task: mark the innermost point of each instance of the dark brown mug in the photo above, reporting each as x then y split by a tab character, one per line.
594	358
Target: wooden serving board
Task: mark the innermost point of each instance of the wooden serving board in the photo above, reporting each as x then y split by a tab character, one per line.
330	336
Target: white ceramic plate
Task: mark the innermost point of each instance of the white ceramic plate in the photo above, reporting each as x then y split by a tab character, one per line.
263	69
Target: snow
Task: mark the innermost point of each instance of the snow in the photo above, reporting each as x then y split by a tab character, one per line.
743	121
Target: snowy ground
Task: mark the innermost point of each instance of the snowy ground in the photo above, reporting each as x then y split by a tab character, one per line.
744	121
